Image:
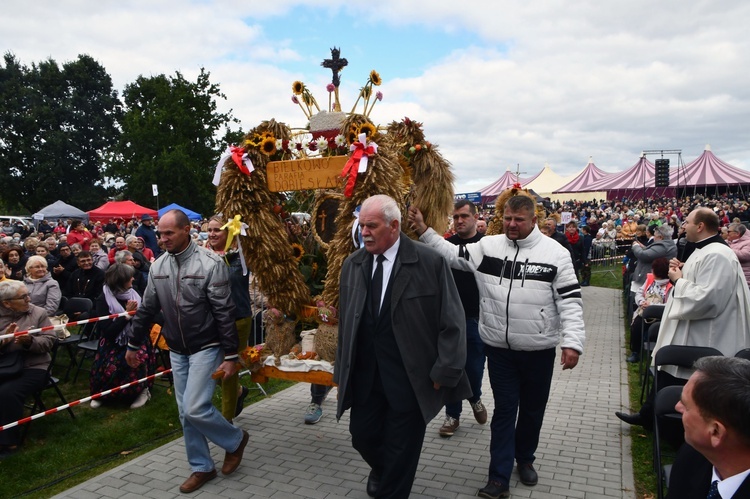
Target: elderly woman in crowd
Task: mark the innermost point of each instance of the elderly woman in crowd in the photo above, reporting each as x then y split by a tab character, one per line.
44	290
15	261
140	280
29	245
101	259
738	238
109	369
144	250
17	313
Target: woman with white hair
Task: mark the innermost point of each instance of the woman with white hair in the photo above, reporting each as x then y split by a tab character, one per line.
17	313
44	290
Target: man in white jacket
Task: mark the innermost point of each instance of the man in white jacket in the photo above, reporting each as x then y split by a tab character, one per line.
529	298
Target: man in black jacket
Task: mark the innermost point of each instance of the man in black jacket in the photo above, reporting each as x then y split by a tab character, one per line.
87	281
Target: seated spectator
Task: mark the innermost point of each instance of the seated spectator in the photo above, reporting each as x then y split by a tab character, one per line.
4	243
739	241
142	248
41	250
100	257
87	281
78	234
119	246
17	313
141	264
66	264
654	291
44	290
44	227
75	248
131	243
15	262
29	245
139	281
109	369
60	228
3	277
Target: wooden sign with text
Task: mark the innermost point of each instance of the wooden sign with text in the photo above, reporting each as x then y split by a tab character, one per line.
304	174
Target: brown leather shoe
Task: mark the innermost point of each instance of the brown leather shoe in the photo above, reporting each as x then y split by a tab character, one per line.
233	459
197	480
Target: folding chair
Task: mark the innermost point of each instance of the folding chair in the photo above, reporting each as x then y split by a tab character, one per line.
743	354
52	382
74	308
664	409
652	314
88	347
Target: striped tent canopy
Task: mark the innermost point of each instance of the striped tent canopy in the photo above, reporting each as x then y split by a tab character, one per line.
635	182
707	170
493	190
583	181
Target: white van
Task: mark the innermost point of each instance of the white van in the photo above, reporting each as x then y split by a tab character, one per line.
11	221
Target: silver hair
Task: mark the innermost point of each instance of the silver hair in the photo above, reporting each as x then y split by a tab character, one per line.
35	259
388	207
665	231
739	227
131	240
9	288
122	255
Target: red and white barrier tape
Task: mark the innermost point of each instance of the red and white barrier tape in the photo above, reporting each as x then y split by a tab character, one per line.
60	326
83	400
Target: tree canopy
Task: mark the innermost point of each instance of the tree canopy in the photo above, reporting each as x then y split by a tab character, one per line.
59	126
170	138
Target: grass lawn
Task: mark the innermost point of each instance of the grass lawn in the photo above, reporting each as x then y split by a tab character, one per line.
60	452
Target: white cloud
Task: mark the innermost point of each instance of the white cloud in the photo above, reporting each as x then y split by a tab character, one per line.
544	82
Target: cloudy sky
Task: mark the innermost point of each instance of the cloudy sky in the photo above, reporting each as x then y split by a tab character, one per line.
500	84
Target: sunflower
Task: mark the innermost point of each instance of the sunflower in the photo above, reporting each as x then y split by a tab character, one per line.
351	136
375	78
298	251
368	129
268	146
298	87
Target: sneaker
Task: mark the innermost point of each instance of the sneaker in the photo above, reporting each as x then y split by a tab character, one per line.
449	427
494	490
527	473
95	404
313	414
634	358
141	399
480	412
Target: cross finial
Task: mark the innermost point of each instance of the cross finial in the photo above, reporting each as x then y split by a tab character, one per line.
335	64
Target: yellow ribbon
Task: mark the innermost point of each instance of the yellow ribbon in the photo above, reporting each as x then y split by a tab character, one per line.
234	229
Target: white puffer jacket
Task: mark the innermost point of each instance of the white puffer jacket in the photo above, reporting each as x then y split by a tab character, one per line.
529	294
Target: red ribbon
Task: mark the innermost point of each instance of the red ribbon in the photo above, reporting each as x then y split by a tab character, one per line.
237	153
517	185
351	166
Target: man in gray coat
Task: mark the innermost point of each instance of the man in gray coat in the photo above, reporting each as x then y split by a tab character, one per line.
401	349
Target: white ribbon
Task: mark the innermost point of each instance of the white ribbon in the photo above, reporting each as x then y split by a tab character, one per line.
243	232
217	172
363	160
356	235
248	163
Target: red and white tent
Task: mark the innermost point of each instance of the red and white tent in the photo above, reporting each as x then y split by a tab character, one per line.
493	190
635	182
707	171
120	209
590	175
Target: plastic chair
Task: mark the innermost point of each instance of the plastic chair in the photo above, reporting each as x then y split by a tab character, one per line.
52	382
75	308
664	409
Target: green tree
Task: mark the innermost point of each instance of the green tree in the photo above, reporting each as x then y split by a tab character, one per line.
170	137
58	127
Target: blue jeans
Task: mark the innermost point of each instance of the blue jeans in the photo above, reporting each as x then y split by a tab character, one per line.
520	383
475	358
201	421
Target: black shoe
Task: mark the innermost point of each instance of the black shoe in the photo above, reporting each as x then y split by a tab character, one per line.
634	358
528	474
585	283
373	484
631	419
241	401
494	490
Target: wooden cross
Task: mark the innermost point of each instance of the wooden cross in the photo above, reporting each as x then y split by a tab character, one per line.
322	218
518	172
335	64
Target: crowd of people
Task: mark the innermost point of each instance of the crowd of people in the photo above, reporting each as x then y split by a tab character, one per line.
465	299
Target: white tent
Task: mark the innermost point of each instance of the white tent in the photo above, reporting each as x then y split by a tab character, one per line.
546	181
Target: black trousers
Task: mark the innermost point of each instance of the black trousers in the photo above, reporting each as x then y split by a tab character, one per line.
390	441
13	393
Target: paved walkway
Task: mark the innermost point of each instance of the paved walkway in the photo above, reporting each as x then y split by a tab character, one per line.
583	452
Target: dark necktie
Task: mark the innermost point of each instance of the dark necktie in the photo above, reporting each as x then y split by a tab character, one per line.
713	492
376	287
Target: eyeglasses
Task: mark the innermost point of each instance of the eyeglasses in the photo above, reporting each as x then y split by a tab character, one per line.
22	297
